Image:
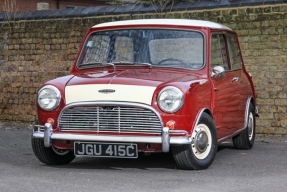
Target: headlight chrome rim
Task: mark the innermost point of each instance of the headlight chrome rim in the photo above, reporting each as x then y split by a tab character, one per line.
180	95
57	96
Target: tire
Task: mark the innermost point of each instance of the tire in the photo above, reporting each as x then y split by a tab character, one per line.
245	140
51	155
201	152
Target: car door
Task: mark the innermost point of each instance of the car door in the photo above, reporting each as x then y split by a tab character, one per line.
242	82
226	87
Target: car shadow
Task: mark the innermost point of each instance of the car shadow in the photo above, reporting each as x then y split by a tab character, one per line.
225	145
143	162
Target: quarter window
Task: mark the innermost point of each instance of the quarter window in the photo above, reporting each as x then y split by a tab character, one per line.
219	52
234	53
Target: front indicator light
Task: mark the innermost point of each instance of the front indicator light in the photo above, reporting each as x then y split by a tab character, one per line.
51	121
170	124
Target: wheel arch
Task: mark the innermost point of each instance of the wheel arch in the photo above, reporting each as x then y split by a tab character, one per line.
203	110
245	138
208	112
201	152
250	100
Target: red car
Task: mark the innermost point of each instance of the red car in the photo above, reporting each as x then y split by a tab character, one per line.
145	86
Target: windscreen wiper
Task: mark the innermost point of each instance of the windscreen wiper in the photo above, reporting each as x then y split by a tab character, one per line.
92	64
132	63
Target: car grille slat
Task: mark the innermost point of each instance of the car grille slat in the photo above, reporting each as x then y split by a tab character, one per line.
109	118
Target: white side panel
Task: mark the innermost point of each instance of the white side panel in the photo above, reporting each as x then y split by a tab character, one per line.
129	93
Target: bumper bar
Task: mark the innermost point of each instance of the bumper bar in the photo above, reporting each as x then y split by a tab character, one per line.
165	139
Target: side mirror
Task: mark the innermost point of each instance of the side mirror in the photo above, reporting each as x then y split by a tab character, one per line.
217	71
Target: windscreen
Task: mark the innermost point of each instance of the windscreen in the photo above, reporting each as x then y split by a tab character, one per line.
162	47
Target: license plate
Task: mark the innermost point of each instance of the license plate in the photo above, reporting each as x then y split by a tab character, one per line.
118	150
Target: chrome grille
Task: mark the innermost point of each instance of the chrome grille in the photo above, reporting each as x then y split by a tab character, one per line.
110	118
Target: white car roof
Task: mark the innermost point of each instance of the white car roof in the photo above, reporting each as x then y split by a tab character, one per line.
183	22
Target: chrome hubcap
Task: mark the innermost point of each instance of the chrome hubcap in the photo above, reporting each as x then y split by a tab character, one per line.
201	144
201	141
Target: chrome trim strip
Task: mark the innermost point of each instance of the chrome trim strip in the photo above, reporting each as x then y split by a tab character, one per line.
198	117
39	126
91	131
38	135
231	135
178	132
246	112
197	120
180	140
110	103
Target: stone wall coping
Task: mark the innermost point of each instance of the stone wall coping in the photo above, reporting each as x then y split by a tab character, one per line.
134	9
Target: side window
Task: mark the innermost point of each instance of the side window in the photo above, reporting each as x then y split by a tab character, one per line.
218	55
234	55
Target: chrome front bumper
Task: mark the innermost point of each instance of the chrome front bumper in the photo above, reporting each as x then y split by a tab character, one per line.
165	139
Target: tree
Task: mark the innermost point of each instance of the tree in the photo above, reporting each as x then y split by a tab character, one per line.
10	8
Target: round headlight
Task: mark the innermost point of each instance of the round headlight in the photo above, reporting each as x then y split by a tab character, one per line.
170	99
49	98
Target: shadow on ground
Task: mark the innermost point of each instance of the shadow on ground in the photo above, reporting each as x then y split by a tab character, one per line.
154	160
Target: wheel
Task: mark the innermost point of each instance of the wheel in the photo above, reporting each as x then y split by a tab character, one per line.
201	153
245	139
51	155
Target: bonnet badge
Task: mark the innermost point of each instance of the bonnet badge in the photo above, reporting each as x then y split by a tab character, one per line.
106	91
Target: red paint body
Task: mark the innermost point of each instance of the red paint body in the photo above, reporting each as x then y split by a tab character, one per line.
223	99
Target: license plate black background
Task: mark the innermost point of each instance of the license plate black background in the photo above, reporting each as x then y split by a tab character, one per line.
78	146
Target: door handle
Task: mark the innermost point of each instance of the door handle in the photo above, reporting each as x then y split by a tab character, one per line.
234	79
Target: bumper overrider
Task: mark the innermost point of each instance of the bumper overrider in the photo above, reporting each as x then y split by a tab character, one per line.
167	138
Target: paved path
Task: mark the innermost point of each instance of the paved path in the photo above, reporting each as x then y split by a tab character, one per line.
263	168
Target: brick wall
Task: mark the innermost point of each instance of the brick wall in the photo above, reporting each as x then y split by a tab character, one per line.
33	52
31	5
